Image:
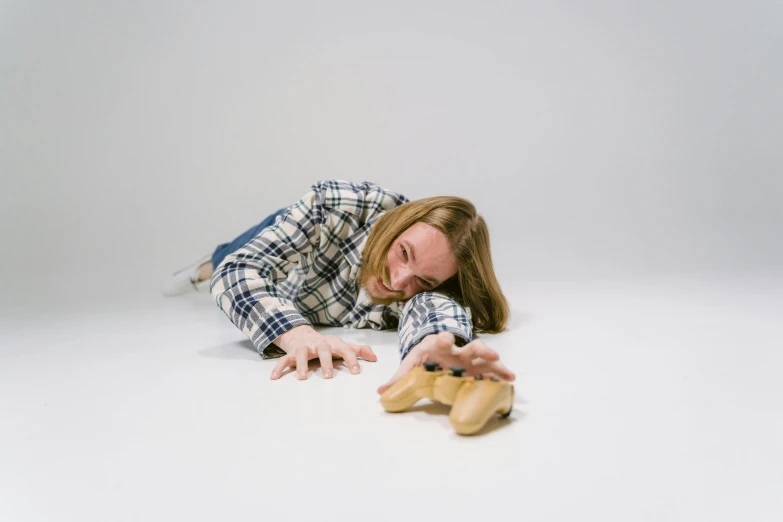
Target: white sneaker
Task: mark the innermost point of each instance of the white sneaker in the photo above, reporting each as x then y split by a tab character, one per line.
185	281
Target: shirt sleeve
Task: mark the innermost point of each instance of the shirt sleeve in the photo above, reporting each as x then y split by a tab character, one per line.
244	284
429	313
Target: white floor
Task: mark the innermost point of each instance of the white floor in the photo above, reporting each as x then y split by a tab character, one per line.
657	399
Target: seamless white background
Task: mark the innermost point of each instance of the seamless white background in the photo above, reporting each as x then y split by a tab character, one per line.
626	155
597	138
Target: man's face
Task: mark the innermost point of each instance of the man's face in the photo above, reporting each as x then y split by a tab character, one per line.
419	260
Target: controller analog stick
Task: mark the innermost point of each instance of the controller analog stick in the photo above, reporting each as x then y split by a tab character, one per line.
431	366
457	371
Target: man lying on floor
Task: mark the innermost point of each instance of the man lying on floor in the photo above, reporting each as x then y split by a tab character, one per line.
357	255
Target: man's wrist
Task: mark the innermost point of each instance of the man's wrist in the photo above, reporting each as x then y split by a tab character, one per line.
423	345
291	335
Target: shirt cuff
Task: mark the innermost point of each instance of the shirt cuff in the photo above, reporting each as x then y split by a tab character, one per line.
271	325
460	337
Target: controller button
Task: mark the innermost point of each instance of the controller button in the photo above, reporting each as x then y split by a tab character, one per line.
457	371
479	377
494	379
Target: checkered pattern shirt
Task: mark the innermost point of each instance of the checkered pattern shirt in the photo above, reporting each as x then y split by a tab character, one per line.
304	269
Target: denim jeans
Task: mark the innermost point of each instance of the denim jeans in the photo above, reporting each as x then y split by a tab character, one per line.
243	239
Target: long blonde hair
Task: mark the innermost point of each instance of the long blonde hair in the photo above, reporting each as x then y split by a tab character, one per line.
474	285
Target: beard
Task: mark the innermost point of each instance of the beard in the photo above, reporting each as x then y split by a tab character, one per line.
366	275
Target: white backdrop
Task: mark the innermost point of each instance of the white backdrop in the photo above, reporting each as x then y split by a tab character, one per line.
601	140
596	138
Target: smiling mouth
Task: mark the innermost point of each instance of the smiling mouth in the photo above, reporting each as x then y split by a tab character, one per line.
386	287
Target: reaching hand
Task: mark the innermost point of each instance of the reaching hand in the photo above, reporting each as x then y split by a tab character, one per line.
303	343
476	357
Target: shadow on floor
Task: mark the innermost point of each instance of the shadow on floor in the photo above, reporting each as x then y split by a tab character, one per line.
442	411
244	350
234	350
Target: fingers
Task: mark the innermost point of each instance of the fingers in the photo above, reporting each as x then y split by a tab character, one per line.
491	369
444	341
348	355
411	361
325	356
476	356
383	387
301	364
477	349
282	364
501	371
350	351
326	349
364	351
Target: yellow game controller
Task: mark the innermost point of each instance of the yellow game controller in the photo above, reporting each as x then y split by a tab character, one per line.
473	400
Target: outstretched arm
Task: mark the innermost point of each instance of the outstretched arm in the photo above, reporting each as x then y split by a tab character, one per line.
429	313
434	327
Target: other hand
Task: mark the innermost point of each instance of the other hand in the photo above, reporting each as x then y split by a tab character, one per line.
303	343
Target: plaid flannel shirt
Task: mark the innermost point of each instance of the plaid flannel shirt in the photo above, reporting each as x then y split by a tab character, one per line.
304	270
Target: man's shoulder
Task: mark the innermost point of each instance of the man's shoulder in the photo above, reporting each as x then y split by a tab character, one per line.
358	198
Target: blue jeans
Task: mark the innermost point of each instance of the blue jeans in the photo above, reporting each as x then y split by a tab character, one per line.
229	248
